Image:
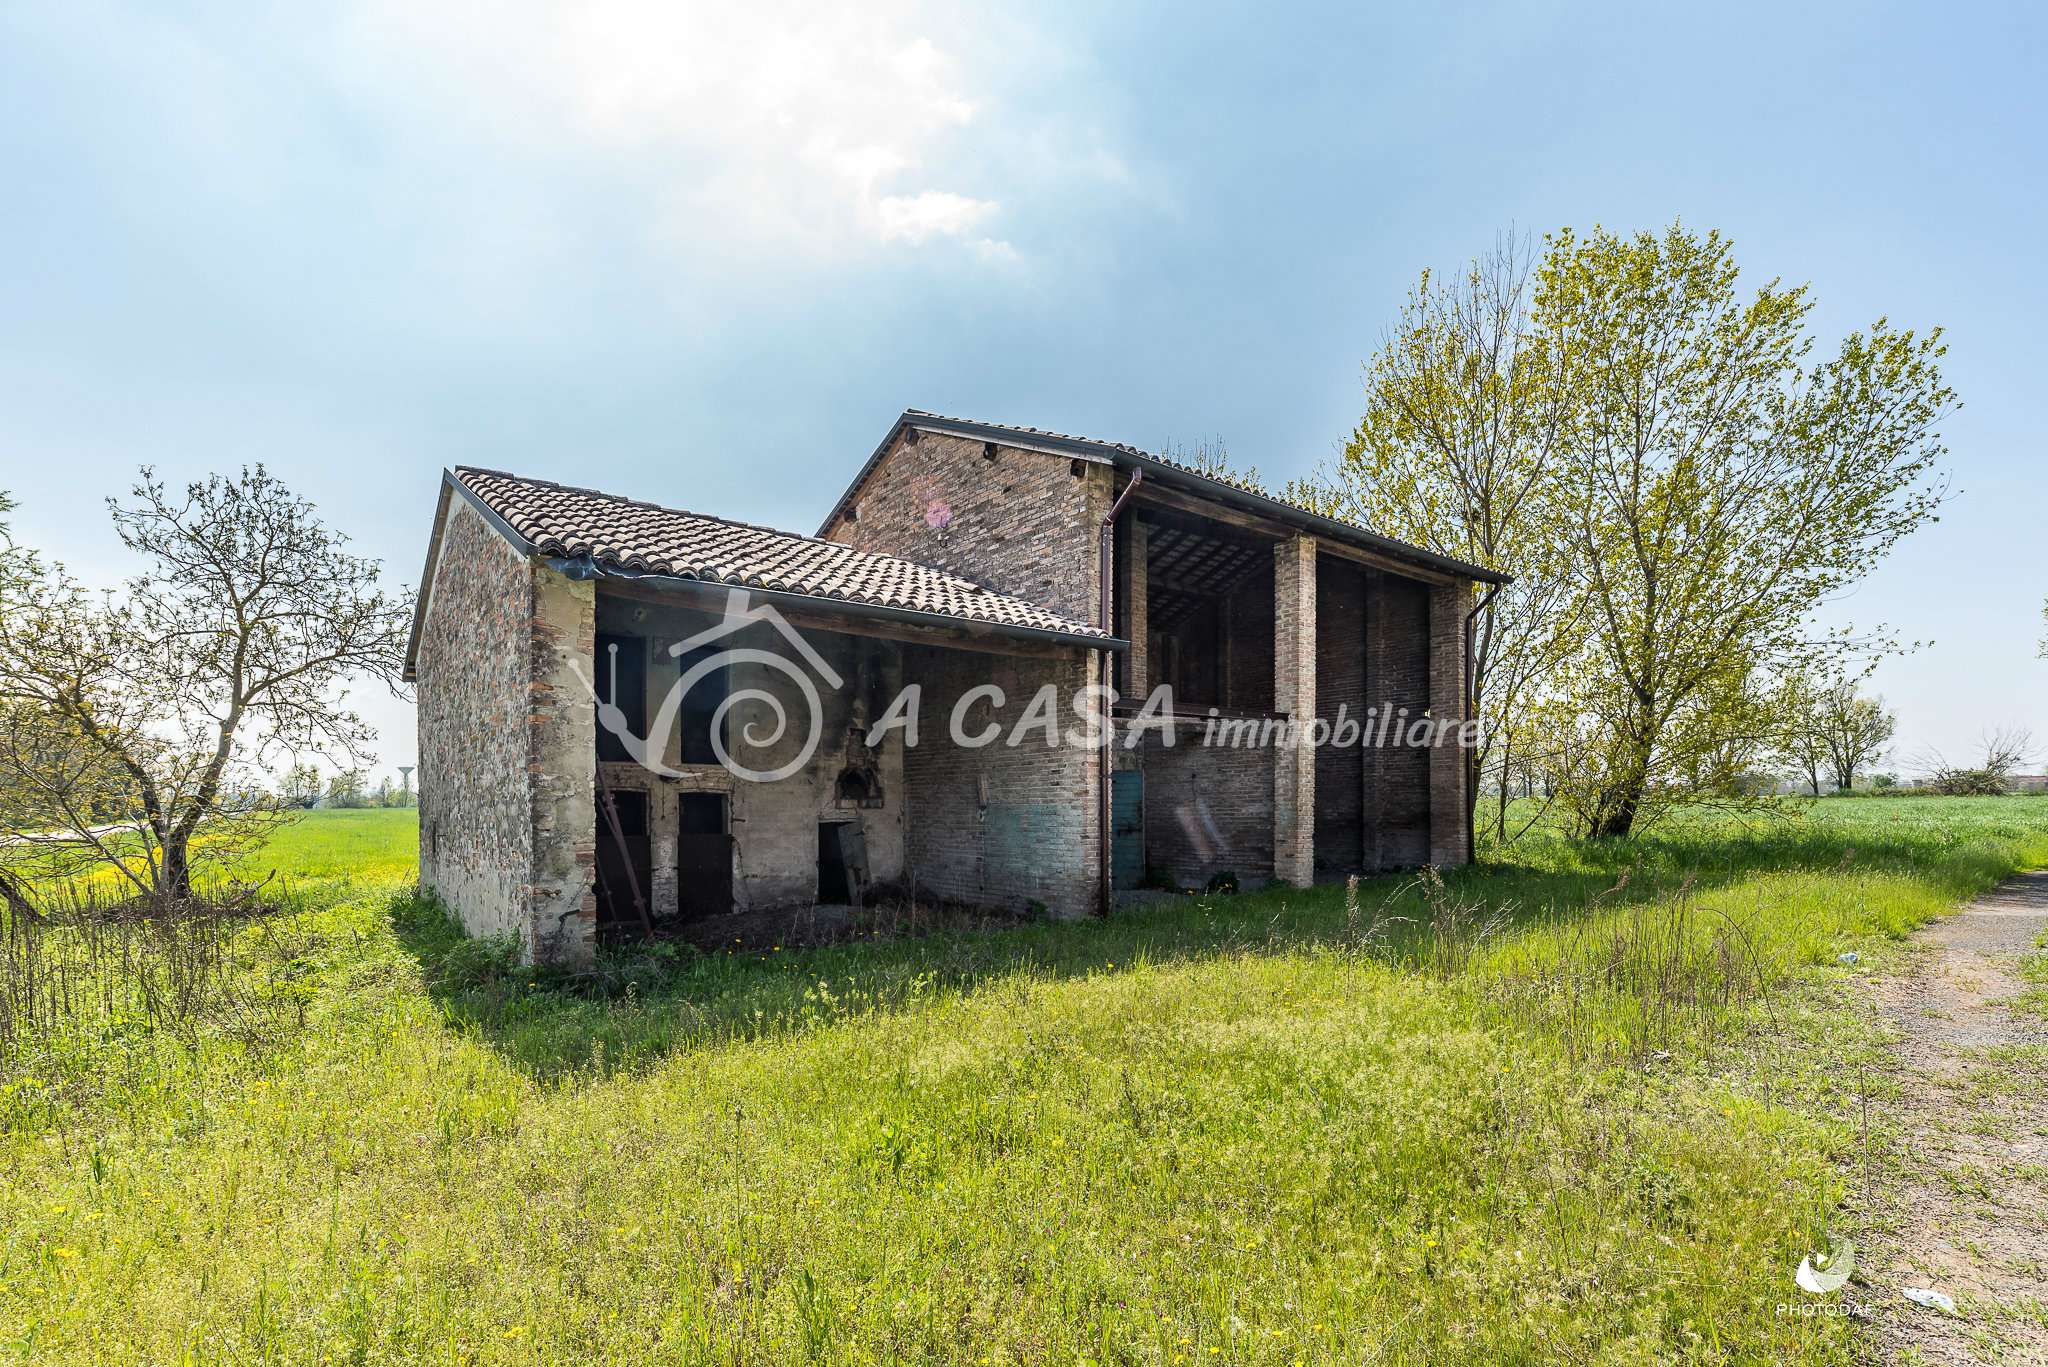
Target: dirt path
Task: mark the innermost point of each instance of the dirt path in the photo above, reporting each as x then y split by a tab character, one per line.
1973	1183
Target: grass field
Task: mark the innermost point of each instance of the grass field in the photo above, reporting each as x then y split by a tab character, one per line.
1530	1117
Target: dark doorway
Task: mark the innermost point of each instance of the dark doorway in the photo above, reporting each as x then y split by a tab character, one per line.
703	857
622	682
842	863
616	914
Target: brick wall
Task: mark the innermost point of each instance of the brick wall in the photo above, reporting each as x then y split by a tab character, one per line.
1397	776
998	826
505	733
562	763
1294	694
1208	810
1133	608
1340	688
1023	522
476	831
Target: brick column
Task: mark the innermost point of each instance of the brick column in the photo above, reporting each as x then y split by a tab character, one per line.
1448	810
1137	615
562	772
1294	693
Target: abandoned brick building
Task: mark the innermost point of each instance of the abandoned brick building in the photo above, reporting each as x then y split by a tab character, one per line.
575	658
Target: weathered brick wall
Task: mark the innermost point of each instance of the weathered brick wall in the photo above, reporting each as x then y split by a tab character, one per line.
476	830
1448	812
1024	522
1208	810
999	826
1397	788
562	763
1340	693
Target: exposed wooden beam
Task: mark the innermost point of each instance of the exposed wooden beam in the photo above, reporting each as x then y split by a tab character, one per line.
1153	497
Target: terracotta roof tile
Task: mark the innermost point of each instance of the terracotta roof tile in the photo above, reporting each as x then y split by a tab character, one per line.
623	534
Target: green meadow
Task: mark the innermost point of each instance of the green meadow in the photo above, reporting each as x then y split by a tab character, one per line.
1585	1102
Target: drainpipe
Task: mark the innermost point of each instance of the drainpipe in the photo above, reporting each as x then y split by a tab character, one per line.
1472	706
1105	569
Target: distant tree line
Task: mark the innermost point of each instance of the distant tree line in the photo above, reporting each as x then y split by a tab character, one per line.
302	786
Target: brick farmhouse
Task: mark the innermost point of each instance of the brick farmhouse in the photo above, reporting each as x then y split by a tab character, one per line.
584	660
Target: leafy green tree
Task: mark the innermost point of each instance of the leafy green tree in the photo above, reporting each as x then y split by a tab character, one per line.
1457	451
1716	488
301	786
348	790
1803	744
1857	731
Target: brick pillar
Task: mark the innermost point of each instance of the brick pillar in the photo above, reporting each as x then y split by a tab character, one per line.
1448	810
1294	694
1135	591
562	772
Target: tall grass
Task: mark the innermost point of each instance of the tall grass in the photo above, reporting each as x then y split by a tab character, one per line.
92	967
1537	1111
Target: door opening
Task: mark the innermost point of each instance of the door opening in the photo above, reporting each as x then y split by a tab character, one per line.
617	917
842	863
703	857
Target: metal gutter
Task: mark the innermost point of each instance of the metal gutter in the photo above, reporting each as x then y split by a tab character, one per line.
1105	573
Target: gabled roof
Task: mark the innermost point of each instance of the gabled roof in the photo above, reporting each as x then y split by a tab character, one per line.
627	538
1224	489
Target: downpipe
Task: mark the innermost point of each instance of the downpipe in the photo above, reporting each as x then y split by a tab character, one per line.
1471	764
1104	570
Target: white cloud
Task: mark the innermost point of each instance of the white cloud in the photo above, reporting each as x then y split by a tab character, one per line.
793	126
933	213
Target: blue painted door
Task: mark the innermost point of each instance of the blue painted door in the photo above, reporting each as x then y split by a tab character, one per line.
1127	828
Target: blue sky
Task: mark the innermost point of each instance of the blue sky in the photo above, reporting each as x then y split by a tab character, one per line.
703	255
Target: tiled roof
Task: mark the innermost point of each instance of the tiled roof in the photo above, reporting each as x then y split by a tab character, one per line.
626	535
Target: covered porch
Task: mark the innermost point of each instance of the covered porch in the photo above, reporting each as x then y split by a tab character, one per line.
1290	657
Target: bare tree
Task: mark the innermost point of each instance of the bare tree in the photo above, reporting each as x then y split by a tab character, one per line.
2006	748
234	645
